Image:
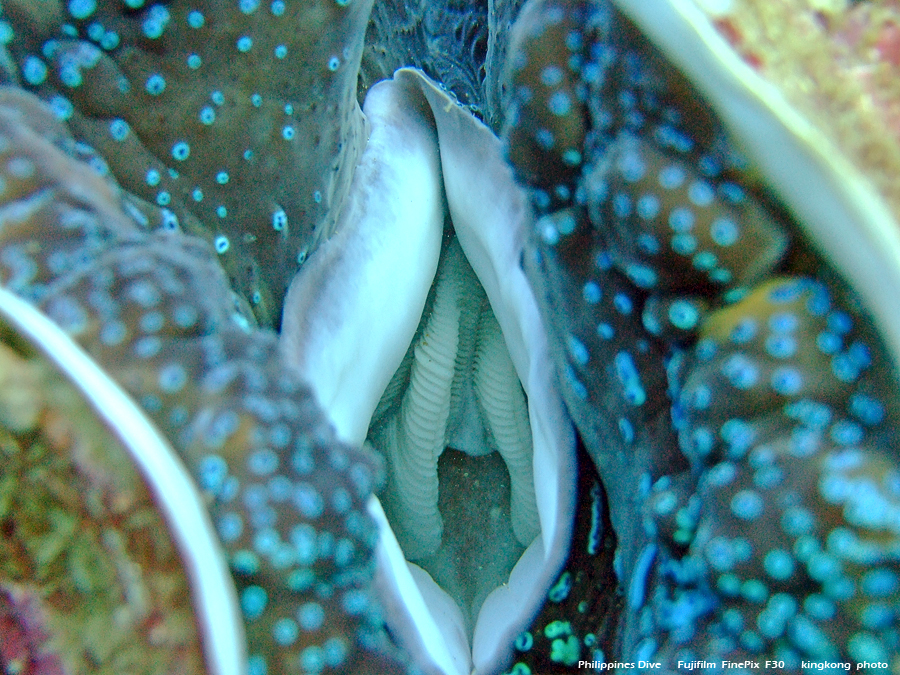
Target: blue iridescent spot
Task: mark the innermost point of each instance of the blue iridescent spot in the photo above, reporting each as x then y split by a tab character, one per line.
155	23
285	631
119	129
591	293
308	501
647	206
684	244
828	343
671	177
253	602
642	275
787	381
181	151
781	346
701	193
575	383
256	665
623	303
683	315
172	378
559	103
524	642
544	138
741	371
844	432
311	616
621	204
230	526
681	219
778	564
335	651
244	44
724	232
866	409
82	9
578	350
551	76
262	462
705	260
560	590
196	19
34	70
630	379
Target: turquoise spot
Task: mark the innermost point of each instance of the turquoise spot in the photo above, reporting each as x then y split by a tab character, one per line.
82	9
551	76
196	19
256	665
245	562
335	651
778	564
181	151
119	129
312	659
556	629
524	641
253	602
560	104
34	70
560	590
683	315
285	632
565	651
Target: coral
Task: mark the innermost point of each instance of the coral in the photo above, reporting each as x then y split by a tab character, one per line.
89	578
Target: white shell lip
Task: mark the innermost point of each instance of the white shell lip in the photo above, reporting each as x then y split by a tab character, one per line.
393	214
832	200
214	596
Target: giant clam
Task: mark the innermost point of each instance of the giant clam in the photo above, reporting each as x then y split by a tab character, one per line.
737	401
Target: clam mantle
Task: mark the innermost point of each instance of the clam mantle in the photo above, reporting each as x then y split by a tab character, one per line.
730	373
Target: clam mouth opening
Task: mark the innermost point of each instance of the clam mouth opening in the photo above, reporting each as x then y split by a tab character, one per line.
438	344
